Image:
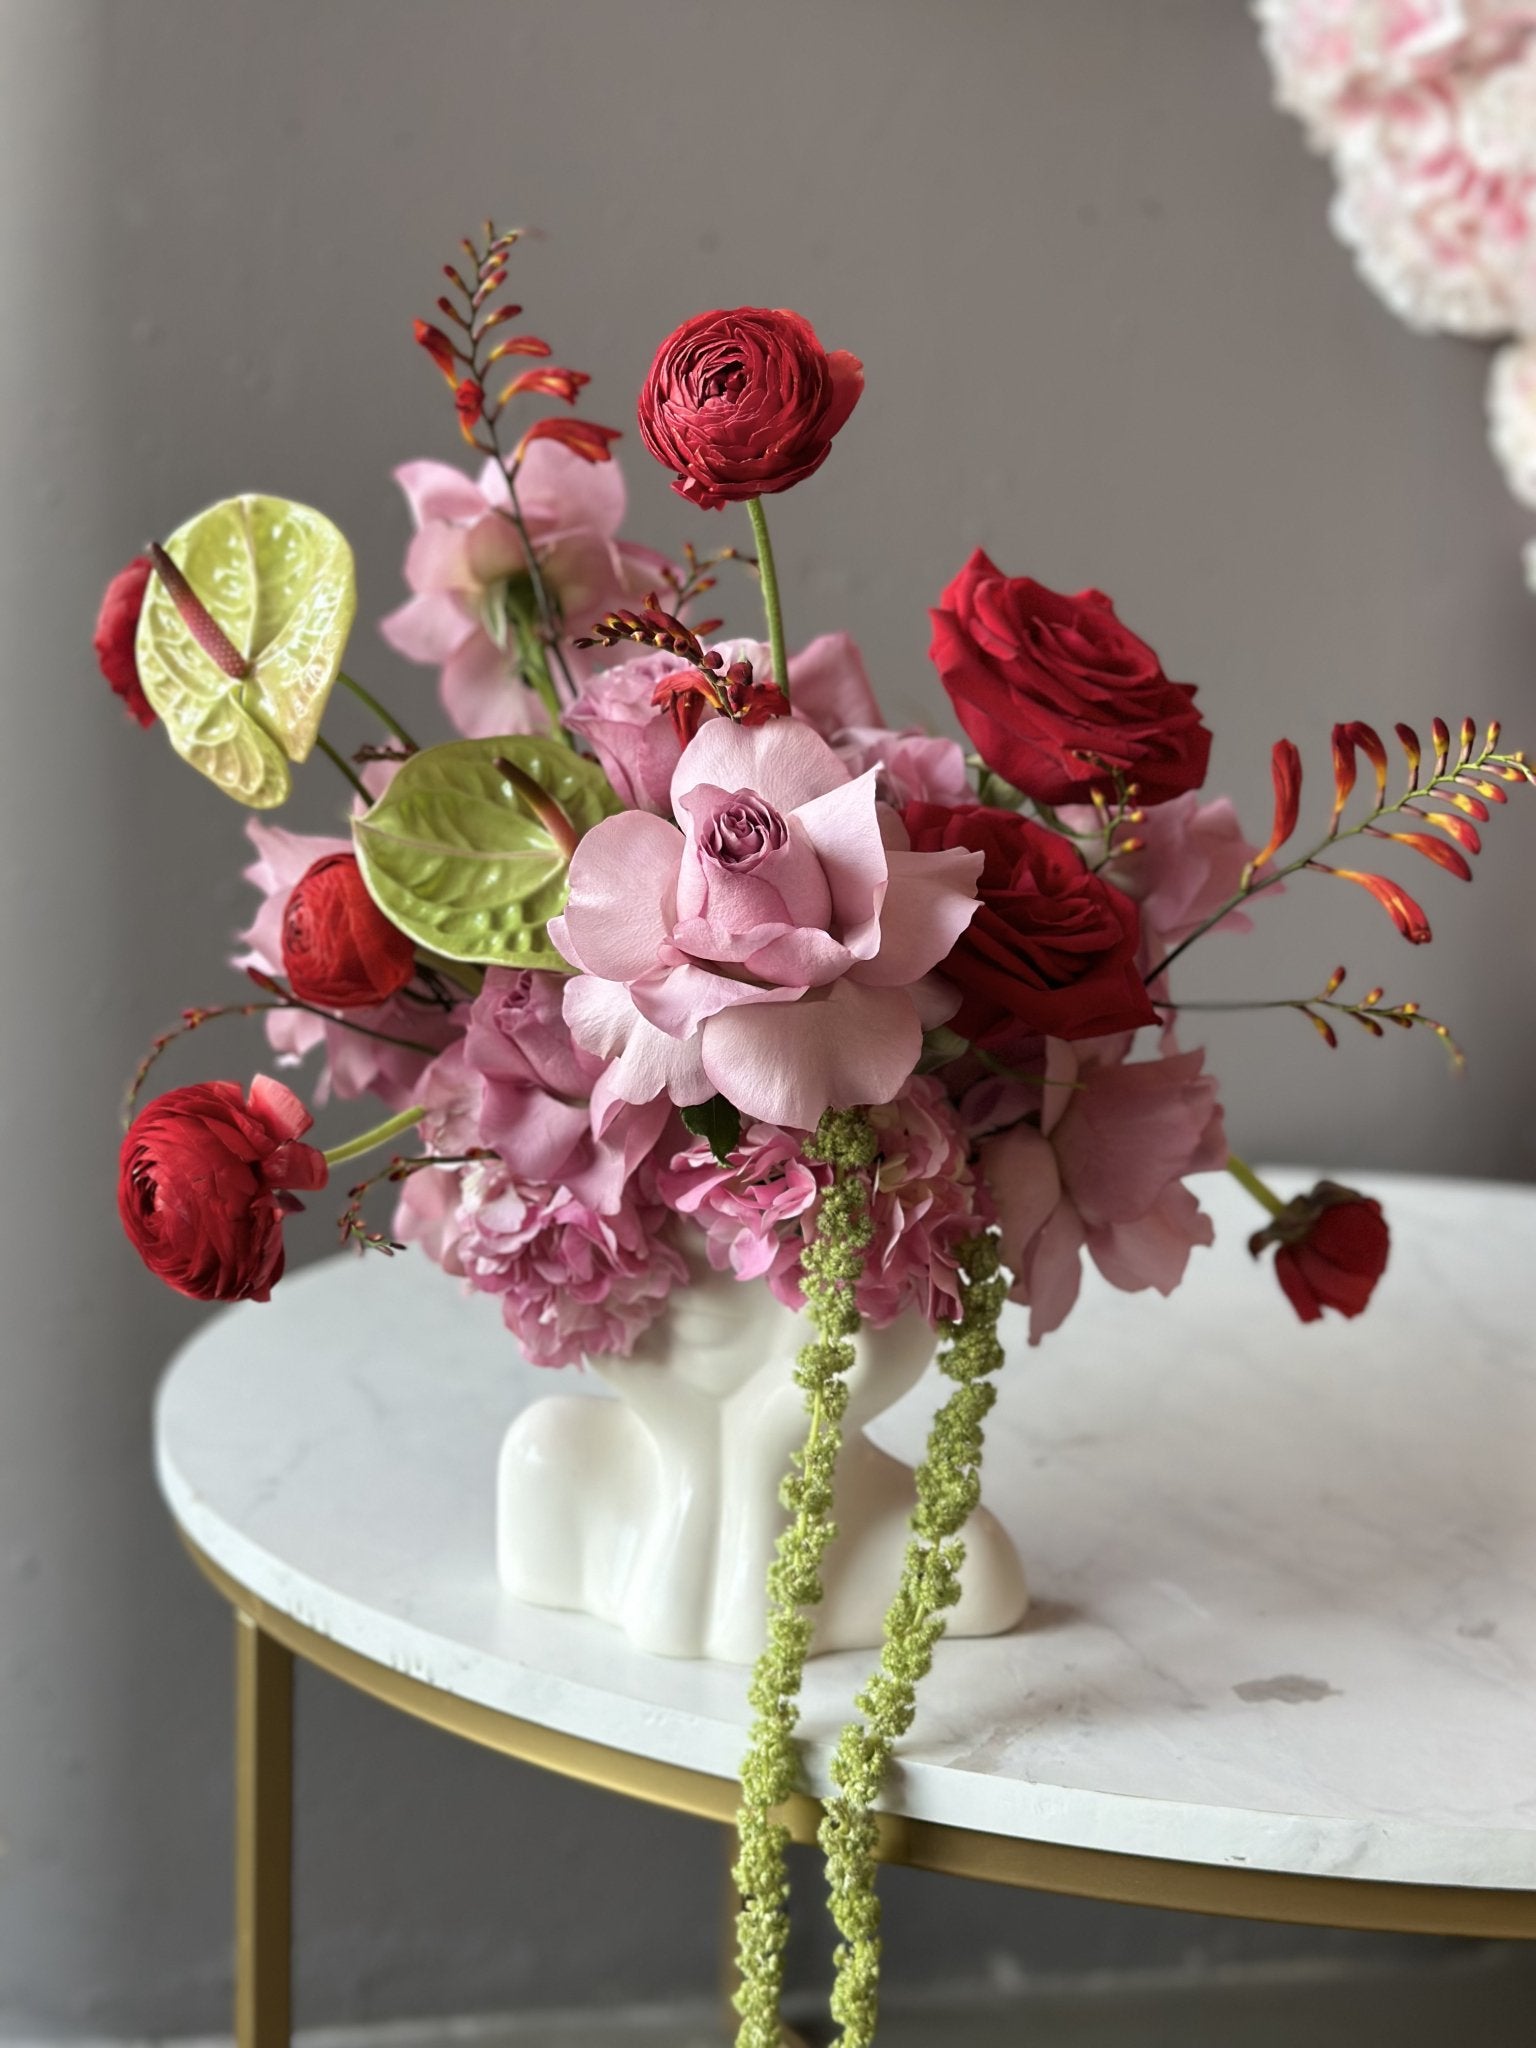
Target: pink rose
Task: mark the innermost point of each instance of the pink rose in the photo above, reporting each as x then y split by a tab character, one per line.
467	571
1104	1174
772	945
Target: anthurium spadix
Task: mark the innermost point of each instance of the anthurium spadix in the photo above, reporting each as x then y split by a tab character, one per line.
241	638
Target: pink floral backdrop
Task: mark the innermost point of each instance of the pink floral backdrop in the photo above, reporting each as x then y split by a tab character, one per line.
1427	112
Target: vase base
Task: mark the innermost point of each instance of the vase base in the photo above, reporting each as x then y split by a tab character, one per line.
593	1518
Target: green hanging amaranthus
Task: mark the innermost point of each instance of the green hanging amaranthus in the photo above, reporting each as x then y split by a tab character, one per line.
832	1263
948	1489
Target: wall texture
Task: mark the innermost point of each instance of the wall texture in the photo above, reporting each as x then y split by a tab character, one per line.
1106	334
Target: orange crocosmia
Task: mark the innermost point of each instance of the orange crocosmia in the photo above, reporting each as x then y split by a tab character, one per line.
591	443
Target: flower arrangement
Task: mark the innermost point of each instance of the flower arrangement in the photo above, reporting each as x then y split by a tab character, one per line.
1427	109
677	945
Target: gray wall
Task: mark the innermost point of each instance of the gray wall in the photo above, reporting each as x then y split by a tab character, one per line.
1106	333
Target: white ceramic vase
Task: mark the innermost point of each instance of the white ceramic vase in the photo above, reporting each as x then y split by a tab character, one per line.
658	1511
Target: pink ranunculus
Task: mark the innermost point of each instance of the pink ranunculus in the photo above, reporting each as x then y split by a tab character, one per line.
353	1063
467	573
757	1211
1104	1173
573	1283
772	945
1188	861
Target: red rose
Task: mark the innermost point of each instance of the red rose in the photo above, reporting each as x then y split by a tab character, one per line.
1332	1249
202	1180
1052	947
339	949
117	625
1058	696
740	404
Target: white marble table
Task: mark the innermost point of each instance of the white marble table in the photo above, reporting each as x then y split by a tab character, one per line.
1282	1658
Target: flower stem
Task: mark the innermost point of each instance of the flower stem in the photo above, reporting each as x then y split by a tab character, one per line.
385	717
345	766
1245	1177
772	604
833	1261
368	1141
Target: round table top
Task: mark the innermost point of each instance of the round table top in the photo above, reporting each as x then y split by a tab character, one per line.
1284	1578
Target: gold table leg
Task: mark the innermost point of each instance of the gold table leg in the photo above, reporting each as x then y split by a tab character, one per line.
263	1838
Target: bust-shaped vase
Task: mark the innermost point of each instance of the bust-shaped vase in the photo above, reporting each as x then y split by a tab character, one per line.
658	1511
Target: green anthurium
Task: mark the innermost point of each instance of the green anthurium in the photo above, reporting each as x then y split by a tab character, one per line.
467	850
277	581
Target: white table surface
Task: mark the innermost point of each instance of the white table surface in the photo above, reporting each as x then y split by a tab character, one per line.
1284	1578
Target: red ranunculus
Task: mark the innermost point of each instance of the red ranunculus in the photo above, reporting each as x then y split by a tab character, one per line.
744	403
1052	949
1332	1247
117	625
1058	696
339	949
202	1185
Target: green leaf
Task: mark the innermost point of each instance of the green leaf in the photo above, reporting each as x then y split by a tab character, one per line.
460	860
279	579
718	1122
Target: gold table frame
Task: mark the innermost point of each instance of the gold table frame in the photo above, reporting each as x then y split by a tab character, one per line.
267	1642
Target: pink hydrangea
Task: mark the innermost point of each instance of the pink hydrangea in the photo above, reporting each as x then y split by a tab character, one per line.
638	749
468	574
1104	1173
354	1063
573	1283
1329	55
756	1210
774	945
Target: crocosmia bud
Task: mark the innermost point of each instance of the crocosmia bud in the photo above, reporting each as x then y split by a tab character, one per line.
339	949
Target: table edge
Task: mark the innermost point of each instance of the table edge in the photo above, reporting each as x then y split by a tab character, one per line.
1310	1899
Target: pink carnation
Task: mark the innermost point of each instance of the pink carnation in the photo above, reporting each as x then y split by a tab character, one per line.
1104	1174
1437	197
1330	55
353	1064
573	1283
774	945
756	1211
468	575
1512	417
